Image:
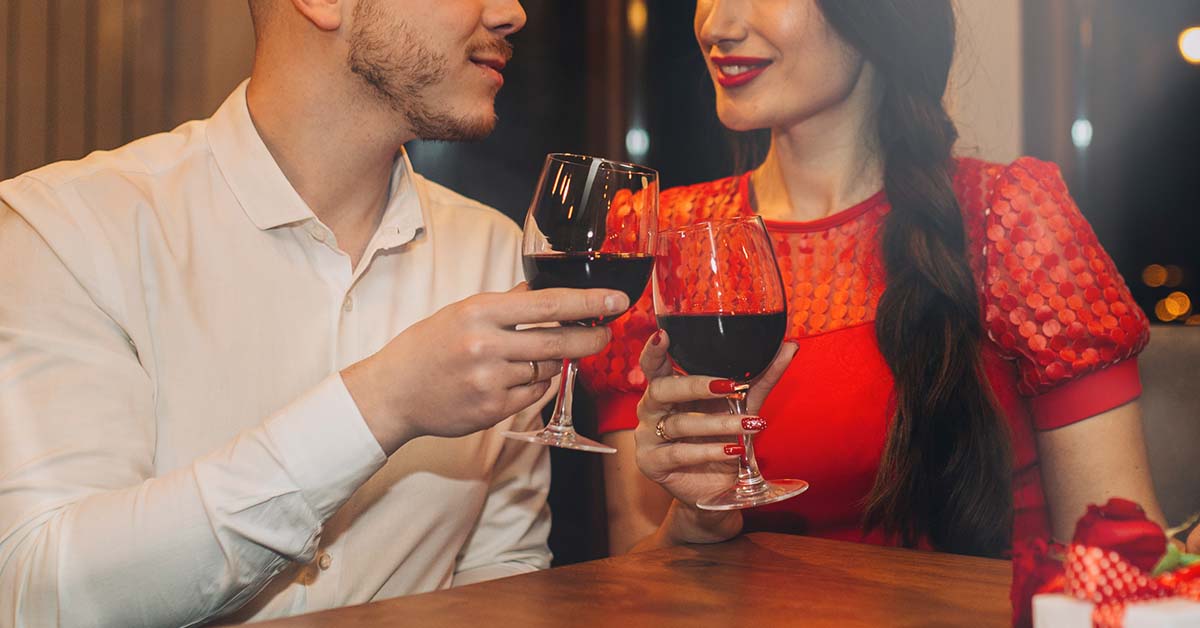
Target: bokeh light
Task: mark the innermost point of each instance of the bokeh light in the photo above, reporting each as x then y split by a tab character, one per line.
637	142
1174	276
1081	133
1154	275
1179	304
1189	44
1162	311
636	15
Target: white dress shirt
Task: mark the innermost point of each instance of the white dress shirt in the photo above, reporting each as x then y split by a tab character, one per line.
175	440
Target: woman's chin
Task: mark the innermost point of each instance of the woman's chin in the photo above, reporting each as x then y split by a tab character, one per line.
738	121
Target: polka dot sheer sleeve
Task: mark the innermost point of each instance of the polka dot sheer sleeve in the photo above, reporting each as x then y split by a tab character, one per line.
1054	301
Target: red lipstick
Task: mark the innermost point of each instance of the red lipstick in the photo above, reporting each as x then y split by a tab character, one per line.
736	71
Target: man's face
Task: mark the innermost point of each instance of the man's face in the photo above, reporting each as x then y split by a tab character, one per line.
435	62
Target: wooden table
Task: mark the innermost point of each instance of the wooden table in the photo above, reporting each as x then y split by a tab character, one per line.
761	580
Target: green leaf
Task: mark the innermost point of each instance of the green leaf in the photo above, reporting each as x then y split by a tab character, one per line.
1187	560
1169	562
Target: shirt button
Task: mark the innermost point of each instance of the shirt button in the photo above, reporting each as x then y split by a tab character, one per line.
348	304
316	232
324	561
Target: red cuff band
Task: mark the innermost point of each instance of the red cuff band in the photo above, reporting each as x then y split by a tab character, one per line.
1092	394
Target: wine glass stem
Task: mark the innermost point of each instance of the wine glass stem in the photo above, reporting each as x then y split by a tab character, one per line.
561	421
750	481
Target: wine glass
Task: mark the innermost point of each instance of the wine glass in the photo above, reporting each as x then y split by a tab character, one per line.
591	224
719	297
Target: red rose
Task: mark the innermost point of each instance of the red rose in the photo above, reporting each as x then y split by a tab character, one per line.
1121	526
1036	569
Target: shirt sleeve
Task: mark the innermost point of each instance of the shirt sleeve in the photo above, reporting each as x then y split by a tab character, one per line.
511	535
89	535
1054	301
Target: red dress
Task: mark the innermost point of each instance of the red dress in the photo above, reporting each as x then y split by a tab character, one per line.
1063	336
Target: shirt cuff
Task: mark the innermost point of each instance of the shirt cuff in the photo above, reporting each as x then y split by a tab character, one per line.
325	445
491	572
1092	394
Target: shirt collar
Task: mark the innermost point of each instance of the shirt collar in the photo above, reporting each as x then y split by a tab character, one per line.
269	199
404	216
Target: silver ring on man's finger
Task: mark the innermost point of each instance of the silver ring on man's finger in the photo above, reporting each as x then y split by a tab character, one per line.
660	432
533	373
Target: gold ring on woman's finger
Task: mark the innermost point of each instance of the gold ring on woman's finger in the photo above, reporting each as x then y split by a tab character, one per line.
660	432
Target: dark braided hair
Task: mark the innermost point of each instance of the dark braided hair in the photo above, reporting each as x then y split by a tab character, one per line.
946	468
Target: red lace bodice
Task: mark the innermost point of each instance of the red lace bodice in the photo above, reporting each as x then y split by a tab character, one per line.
1053	300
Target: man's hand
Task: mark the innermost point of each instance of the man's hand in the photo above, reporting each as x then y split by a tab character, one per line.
466	367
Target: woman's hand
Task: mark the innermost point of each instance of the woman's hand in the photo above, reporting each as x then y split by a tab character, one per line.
700	457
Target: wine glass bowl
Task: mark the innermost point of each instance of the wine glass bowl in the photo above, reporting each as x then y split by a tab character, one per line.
719	296
592	224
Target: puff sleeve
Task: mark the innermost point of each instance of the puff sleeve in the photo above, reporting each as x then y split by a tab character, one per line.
1054	301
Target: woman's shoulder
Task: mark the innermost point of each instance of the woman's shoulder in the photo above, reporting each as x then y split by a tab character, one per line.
720	198
979	184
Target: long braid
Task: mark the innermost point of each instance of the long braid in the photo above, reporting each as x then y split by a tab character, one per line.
946	469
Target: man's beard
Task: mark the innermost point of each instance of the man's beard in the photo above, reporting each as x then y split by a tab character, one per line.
398	68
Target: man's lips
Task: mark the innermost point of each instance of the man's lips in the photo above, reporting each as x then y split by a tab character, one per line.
736	71
493	66
495	63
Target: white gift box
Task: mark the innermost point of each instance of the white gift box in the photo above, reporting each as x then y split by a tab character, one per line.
1058	610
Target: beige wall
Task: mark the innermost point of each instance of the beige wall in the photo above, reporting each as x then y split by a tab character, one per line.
985	94
85	74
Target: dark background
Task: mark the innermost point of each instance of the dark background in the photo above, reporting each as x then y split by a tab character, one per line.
1138	181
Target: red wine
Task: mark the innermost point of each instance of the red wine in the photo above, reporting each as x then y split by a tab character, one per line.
733	346
616	271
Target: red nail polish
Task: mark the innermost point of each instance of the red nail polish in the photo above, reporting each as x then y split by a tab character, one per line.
754	424
656	339
722	386
734	450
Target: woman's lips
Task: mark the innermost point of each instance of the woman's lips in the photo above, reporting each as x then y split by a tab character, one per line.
737	71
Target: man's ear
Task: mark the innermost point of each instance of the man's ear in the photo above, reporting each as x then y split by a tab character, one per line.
324	14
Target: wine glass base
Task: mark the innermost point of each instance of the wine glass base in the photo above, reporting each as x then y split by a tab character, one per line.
566	440
774	491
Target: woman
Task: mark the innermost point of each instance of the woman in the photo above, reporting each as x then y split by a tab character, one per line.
962	371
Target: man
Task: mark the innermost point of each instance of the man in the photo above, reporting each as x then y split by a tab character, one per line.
212	340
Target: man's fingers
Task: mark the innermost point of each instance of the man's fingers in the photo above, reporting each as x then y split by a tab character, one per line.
552	305
521	397
554	343
528	372
758	393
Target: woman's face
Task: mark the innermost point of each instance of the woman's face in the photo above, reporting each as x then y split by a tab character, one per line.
774	63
